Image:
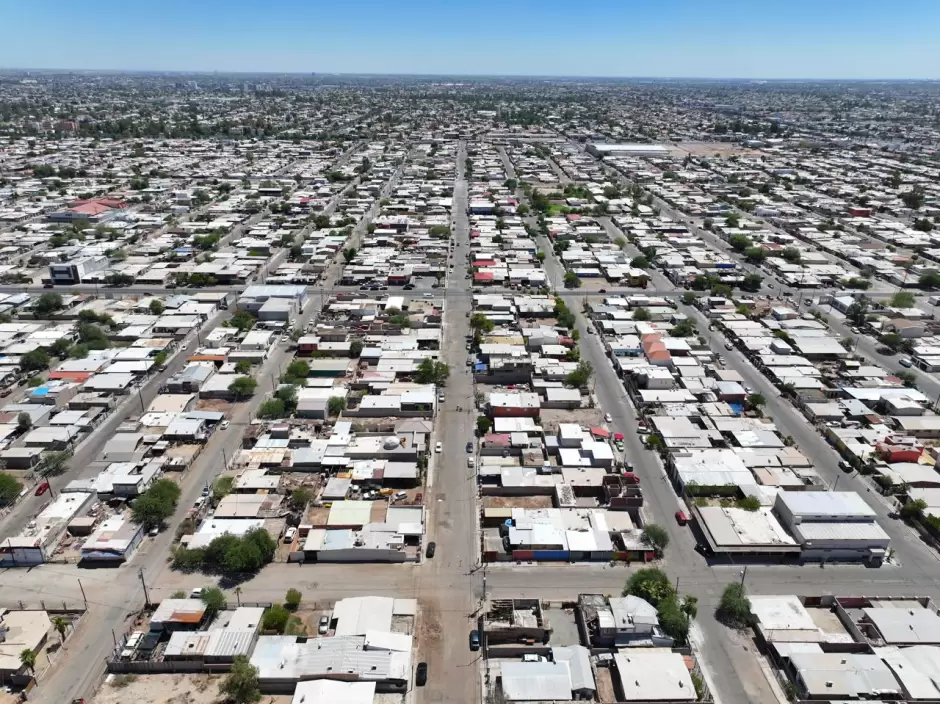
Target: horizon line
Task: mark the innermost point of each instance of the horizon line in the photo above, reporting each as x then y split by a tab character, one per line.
366	74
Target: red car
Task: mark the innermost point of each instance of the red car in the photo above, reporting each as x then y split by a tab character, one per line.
681	518
42	488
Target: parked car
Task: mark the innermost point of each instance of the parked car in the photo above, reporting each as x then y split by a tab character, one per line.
437	448
469	447
196	593
432	547
905	362
474	640
729	346
608	418
324	625
470	462
845	466
42	488
421	674
681	518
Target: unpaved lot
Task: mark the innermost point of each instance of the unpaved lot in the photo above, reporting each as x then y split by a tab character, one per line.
168	689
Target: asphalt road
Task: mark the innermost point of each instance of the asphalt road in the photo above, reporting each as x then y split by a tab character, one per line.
451	497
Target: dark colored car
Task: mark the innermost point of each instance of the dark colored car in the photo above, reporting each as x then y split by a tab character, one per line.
469	447
432	547
421	674
474	640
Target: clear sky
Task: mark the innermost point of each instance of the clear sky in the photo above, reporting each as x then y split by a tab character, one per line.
677	38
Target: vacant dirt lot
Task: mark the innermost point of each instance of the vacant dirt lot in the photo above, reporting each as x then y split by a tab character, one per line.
168	689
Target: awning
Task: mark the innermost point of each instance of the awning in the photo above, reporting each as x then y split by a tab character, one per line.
600	433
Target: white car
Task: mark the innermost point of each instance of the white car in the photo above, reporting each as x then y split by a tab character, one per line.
224	424
469	461
608	418
905	362
437	448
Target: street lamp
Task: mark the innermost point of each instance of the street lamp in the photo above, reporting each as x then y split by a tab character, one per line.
743	575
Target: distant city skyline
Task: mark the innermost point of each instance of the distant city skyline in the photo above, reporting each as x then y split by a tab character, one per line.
801	39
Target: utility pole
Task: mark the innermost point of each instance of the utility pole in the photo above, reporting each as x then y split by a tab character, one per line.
83	593
743	575
140	573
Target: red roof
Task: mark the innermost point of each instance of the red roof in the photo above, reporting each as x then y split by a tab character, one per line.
484	262
484	276
90	209
600	432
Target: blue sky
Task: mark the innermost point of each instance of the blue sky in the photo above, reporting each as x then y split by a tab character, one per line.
681	38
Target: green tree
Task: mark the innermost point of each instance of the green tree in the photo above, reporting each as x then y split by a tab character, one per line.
241	685
297	373
580	376
656	537
572	280
60	348
243	387
292	599
913	508
300	497
689	606
688	298
651	584
214	599
349	254
755	401
275	619
640	262
483	425
431	371
242	366
46	304
734	609
243	320
271	409
739	243
336	405
24	422
481	323
902	299
752	282
10	488
151	508
355	349
156	307
929	280
673	621
755	255
54	463
222	487
35	360
641	314
914	198
909	379
792	255
61	625
28	659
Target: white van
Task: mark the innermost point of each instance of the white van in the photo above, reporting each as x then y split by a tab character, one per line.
289	535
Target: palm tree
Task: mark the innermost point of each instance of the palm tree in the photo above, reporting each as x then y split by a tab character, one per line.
689	606
238	595
28	658
61	625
